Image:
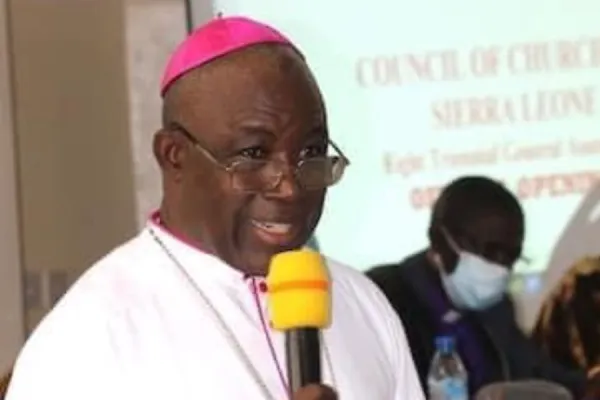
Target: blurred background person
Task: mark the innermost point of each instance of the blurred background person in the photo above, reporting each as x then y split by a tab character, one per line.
458	287
568	327
578	239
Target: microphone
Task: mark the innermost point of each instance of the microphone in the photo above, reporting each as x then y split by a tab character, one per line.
299	305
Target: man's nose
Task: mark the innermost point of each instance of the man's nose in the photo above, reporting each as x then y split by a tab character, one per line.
288	186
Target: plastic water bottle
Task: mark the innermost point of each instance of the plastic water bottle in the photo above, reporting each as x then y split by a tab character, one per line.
447	378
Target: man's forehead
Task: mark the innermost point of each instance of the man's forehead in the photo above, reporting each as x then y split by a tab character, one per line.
241	77
495	227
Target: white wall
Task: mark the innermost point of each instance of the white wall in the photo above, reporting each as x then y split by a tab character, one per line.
153	29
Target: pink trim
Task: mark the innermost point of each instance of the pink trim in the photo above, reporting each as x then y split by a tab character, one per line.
263	322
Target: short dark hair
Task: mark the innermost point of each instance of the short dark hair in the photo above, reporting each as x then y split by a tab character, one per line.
468	197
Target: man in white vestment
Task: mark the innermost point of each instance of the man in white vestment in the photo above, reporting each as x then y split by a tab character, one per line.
179	312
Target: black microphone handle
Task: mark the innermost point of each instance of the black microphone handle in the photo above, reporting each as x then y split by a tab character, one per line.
303	354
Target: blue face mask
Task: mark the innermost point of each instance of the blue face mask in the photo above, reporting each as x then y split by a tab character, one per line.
476	283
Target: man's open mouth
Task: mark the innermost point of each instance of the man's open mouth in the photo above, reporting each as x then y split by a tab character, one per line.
275	233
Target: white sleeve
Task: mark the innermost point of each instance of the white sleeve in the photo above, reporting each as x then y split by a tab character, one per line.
70	356
408	386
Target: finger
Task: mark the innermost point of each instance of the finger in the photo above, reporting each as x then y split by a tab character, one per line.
317	392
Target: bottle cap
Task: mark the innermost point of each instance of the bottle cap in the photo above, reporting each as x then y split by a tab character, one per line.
445	344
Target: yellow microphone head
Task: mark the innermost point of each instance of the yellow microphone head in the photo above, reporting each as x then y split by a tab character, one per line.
298	291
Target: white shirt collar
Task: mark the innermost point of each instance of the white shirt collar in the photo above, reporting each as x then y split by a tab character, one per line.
198	263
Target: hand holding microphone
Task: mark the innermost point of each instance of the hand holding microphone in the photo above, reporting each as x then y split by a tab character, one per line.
300	305
315	392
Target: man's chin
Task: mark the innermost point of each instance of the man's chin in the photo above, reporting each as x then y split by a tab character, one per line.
257	262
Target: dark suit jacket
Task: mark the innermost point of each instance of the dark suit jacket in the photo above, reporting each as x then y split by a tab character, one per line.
406	286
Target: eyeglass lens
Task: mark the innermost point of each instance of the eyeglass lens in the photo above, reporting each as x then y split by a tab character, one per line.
312	174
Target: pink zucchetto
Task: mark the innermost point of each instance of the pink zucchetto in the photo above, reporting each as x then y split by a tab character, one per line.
215	39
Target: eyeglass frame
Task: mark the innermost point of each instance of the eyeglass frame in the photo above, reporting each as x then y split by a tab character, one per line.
230	167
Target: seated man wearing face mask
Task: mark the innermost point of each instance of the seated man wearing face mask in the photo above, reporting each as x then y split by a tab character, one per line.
458	287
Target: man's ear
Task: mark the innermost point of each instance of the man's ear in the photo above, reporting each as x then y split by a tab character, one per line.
169	152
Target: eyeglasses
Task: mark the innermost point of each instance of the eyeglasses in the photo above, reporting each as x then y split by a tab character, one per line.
265	175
